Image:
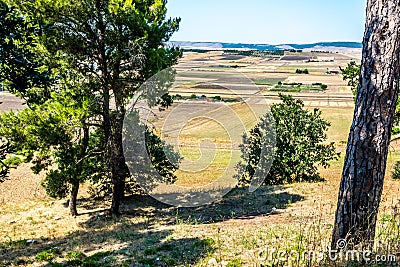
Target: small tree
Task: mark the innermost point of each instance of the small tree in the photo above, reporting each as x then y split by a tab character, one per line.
55	138
300	145
115	46
163	158
351	74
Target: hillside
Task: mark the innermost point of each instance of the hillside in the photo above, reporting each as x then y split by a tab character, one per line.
221	45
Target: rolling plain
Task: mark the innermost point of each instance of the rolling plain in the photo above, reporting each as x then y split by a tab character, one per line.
218	95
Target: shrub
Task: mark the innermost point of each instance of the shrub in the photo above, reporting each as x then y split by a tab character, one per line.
305	71
395	130
396	170
193	96
47	255
75	255
14	161
324	86
300	145
177	97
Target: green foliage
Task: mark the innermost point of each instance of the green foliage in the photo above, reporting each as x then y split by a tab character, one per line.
21	68
47	255
300	145
299	71
4	168
324	86
53	133
14	161
268	81
77	258
163	158
396	170
193	96
83	80
351	74
113	47
395	130
177	97
75	255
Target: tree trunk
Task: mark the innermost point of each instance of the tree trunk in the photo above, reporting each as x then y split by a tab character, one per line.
75	183
72	199
365	162
119	169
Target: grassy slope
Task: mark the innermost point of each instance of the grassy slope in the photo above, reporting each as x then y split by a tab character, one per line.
233	230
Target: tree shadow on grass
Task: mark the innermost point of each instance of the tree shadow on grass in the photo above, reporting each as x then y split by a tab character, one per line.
144	235
106	241
239	204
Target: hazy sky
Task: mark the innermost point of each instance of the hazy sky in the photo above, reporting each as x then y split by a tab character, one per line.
269	21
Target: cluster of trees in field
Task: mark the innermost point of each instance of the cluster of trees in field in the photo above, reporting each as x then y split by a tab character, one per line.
77	64
298	87
255	53
299	71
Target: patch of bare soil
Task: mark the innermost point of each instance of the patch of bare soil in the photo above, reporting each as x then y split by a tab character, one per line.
10	102
22	186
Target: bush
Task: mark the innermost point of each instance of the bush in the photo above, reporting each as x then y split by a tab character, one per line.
193	96
47	255
396	171
300	145
395	130
177	97
324	86
305	71
14	161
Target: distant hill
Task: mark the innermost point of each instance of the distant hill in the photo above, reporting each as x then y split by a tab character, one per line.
218	45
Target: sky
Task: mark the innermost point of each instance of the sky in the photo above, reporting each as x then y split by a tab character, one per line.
268	21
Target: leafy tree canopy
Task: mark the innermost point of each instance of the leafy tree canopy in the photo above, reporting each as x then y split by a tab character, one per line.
300	145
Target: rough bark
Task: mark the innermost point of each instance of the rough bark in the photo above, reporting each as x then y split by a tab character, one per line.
365	162
75	183
119	170
73	198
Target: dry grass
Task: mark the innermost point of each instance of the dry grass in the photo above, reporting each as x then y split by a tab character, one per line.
231	231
